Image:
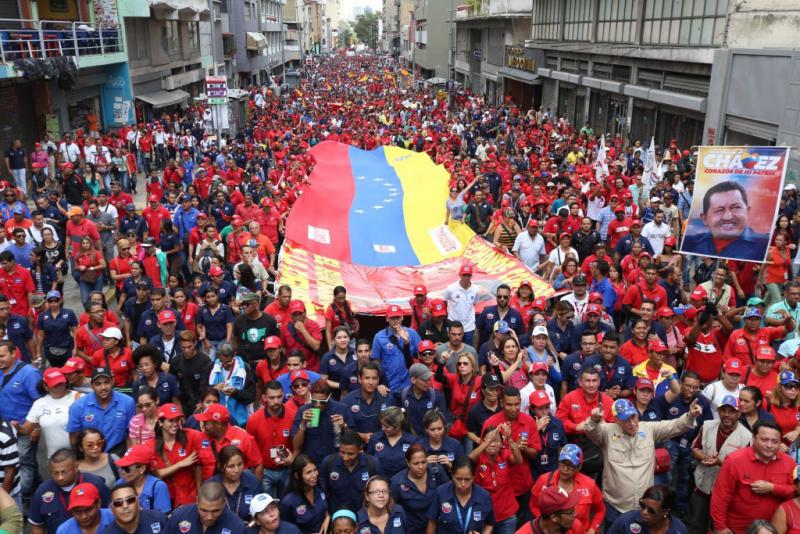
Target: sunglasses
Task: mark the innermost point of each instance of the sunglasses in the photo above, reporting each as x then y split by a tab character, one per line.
298	385
130	468
428	353
118	503
321	401
463	364
95	445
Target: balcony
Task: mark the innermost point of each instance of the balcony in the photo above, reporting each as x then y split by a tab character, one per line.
478	9
25	39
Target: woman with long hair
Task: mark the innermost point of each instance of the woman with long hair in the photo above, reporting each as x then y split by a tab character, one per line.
49	413
786	518
55	333
239	483
776	271
304	503
463	388
116	356
751	401
523	301
89	268
783	403
413	488
208	397
380	513
92	459
506	231
669	257
246	280
390	443
333	362
141	427
494	475
42	271
181	460
508	364
135	468
635	349
340	313
54	252
568	270
455	498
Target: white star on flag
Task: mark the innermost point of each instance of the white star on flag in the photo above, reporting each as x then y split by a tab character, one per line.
377	207
361	177
358	211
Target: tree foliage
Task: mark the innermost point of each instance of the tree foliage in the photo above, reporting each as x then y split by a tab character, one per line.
366	28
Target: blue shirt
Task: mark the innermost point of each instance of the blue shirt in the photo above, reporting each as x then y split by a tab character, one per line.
284	527
56	328
571	368
414	502
625	246
318	442
577	332
332	366
72	527
619	373
416	408
167	387
669	411
154	496
345	488
49	502
283	380
19	331
150	522
392	458
296	509
226	291
148	323
649	414
388	350
450	447
18	393
553	437
135	223
605	288
396	525
22	255
484	324
112	421
239	501
451	518
186	520
348	381
632	521
561	338
365	415
184	221
216	324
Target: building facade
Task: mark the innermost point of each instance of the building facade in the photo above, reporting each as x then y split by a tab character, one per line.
486	33
295	26
63	67
432	37
257	28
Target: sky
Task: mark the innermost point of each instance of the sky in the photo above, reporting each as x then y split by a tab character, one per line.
348	5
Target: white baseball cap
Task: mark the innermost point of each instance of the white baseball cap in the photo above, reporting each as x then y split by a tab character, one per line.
112	331
260	502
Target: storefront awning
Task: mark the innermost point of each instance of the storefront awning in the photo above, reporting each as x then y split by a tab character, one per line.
161	99
256	41
519	75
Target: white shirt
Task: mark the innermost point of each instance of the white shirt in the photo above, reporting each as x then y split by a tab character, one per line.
52	416
557	256
161	138
110	209
525	395
33	235
69	152
578	305
656	234
133	138
529	249
461	304
715	392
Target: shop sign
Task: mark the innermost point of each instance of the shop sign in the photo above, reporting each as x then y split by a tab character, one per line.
515	59
217	90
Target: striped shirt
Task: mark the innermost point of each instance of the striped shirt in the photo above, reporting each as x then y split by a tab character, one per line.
9	454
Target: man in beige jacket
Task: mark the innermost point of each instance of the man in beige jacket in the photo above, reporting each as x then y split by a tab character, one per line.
628	448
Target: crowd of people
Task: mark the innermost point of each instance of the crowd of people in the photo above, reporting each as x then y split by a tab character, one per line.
657	392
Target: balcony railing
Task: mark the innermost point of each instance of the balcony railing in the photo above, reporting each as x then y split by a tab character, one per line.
40	39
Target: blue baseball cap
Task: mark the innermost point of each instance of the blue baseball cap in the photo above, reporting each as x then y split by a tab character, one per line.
731	401
18	211
53	295
787	377
501	327
571	453
623	409
752	312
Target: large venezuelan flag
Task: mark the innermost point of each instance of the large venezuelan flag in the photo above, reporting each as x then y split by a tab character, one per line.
379	208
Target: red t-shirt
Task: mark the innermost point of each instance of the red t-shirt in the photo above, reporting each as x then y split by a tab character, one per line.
291	342
243	440
16	286
122	366
189	315
77	231
154	217
271	432
705	356
278	312
121	266
265	373
521	478
494	477
181	484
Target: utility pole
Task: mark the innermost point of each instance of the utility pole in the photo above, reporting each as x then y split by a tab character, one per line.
215	109
451	56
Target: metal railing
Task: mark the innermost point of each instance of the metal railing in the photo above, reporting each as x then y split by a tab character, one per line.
40	39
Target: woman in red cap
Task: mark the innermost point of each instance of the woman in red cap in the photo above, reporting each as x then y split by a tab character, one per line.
135	469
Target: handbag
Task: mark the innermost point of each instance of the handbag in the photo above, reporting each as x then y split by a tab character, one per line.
662	461
89	277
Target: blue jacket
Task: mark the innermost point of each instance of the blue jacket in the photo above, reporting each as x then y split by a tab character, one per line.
19	390
390	355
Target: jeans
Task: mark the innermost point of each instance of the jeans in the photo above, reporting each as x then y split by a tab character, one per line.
28	469
611	515
468	337
87	288
275	482
20	180
124	182
506	526
680	458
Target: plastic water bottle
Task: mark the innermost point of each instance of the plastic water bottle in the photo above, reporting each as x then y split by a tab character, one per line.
337	435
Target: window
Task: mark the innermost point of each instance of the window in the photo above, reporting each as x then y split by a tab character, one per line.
546	19
248	11
170	40
495	53
577	20
138	38
193	36
684	22
616	20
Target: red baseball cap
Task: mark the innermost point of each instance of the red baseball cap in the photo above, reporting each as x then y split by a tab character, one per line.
167	316
420	290
734	367
393	310
53	377
170	410
465	269
644	383
595	297
74	365
439	308
594	309
525	283
215	412
153	198
272	342
699	293
426	344
619	209
215	270
533	223
538	366
83	495
237	221
540	303
539	398
665	311
656	345
765	353
636	222
138	454
296	306
299	375
670	241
